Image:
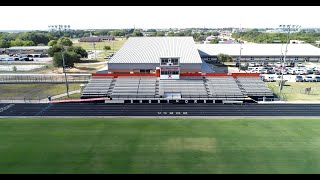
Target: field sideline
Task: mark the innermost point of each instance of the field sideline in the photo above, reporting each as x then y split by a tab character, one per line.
159	145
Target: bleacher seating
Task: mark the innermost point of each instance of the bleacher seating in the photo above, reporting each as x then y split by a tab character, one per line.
254	86
97	87
223	86
217	87
189	88
134	87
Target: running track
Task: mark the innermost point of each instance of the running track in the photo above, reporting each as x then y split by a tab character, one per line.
91	109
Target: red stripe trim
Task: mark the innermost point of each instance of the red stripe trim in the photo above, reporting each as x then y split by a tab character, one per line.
78	100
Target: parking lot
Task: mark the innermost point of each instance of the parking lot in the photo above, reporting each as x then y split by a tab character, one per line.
4	59
293	72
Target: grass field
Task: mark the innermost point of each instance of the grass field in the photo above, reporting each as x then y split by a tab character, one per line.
115	45
295	91
33	91
159	145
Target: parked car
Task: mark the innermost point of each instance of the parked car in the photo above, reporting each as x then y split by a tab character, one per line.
299	71
28	59
269	79
24	59
308	79
109	56
317	78
10	59
299	78
43	55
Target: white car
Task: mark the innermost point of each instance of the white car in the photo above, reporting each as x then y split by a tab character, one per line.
300	71
269	79
309	79
10	59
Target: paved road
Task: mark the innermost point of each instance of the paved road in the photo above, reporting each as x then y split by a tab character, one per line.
92	109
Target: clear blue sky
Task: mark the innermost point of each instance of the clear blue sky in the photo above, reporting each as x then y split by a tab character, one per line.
107	17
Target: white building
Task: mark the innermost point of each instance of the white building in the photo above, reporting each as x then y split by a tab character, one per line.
260	52
172	55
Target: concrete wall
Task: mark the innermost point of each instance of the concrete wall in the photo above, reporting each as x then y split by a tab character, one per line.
133	67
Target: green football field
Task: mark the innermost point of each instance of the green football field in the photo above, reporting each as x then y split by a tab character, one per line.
158	145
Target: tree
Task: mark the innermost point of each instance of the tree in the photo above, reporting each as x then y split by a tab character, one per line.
35	37
224	57
159	33
64	41
55	48
106	48
69	58
17	42
4	43
152	30
215	33
171	34
52	42
78	50
28	43
214	41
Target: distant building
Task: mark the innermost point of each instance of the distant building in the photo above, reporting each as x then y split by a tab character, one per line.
260	52
28	50
97	39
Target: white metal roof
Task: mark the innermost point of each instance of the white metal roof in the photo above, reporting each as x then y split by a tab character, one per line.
29	47
150	49
258	49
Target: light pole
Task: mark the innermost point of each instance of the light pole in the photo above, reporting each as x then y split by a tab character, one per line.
113	45
64	71
95	52
240	56
286	28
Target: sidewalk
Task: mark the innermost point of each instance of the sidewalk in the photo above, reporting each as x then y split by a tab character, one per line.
61	95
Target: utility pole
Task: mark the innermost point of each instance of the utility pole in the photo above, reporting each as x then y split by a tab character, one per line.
240	56
95	52
113	45
288	28
64	71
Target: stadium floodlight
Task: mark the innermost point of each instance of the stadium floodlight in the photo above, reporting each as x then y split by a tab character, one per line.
287	28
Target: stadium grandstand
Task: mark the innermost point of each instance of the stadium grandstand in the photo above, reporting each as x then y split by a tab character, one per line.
169	69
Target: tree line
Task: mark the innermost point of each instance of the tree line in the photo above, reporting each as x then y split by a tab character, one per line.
262	37
42	38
